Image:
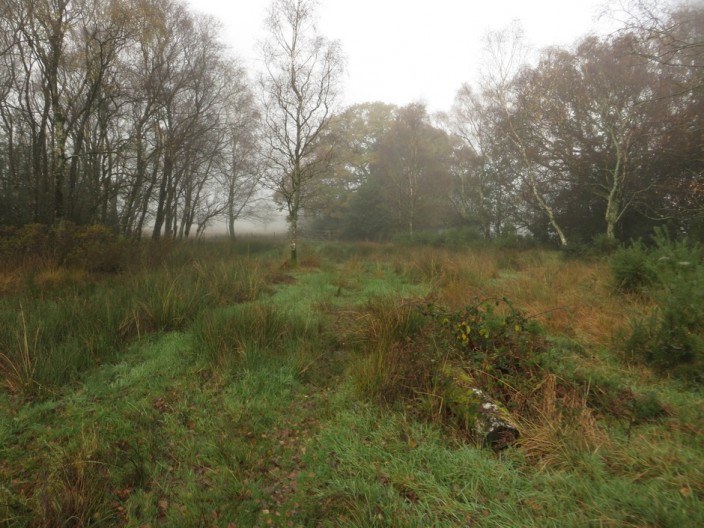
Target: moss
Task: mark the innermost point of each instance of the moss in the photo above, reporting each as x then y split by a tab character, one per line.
488	420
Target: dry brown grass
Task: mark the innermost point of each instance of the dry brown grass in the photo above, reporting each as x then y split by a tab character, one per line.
560	427
449	271
10	282
55	277
571	298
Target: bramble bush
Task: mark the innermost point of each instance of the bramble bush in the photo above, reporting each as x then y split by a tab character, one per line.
498	341
408	342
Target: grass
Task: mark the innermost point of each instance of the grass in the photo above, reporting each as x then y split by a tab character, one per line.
218	388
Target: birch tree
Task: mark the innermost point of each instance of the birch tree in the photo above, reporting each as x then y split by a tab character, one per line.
300	88
507	54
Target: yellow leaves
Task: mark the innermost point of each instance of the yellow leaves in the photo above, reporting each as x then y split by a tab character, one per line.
462	331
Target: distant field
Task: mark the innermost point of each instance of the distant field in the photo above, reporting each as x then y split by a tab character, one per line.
212	384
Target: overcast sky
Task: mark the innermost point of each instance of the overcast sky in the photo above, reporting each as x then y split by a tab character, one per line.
402	51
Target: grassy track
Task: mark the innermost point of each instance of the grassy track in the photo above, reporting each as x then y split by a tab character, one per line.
236	392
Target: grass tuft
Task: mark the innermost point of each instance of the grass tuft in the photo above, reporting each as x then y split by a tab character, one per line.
18	366
75	491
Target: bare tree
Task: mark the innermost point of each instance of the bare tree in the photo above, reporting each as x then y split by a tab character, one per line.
299	87
115	111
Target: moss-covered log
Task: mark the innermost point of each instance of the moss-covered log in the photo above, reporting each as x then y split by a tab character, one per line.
479	414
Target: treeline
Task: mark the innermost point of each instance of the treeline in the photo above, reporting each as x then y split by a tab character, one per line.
129	113
601	140
133	114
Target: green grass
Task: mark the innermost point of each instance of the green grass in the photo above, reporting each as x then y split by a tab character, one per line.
240	405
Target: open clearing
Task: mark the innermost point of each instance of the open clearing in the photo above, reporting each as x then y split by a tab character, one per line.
260	397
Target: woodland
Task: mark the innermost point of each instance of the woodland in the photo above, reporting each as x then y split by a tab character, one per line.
134	115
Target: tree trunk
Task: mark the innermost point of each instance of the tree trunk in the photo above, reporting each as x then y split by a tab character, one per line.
162	204
612	201
489	421
548	212
294	239
231	216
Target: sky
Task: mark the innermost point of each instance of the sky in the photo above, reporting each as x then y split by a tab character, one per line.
404	51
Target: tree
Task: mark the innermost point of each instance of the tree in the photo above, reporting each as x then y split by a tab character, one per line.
671	38
413	162
506	54
596	114
60	56
480	196
299	88
353	138
242	165
117	111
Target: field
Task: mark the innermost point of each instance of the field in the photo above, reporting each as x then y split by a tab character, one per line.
212	384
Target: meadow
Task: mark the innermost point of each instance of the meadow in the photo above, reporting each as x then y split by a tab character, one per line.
212	384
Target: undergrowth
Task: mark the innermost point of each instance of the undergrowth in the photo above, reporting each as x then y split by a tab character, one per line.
670	274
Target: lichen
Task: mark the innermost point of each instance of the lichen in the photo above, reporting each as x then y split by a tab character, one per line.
488	420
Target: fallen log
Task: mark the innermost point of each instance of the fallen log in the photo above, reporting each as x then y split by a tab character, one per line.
488	420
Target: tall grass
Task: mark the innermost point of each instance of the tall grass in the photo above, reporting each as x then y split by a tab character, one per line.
66	320
231	335
76	490
19	365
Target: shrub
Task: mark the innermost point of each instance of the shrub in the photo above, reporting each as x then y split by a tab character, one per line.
603	245
671	337
97	248
633	269
91	248
407	342
599	246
